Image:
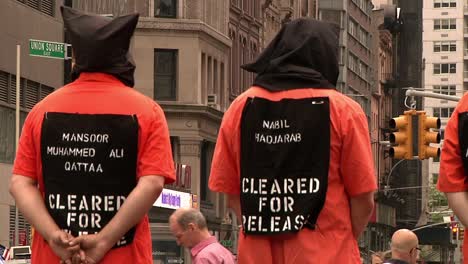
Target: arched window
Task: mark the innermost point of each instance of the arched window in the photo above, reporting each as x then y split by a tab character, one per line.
245	59
234	65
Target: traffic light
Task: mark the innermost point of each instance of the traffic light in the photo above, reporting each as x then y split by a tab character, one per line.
461	233
426	136
403	137
455	232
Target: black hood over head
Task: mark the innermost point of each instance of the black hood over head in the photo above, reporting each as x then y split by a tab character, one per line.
100	44
304	54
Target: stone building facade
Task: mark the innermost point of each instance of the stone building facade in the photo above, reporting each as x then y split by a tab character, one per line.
23	20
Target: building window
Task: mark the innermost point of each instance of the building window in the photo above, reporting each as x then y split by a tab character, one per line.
445	46
362	70
443	112
243	59
209	76
234	67
165	8
244	6
305	8
363	5
23	228
215	87
207	151
7	134
175	148
257	9
203	71
444	68
445	89
357	66
352	28
445	3
45	6
165	74
363	37
353	62
33	93
221	84
452	24
445	24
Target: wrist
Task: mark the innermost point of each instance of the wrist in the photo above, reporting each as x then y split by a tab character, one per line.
106	241
49	235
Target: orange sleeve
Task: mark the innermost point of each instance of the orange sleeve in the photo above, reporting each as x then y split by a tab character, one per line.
452	175
357	167
225	167
26	157
155	155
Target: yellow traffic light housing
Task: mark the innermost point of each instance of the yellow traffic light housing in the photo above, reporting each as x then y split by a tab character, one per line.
403	137
461	233
455	233
426	136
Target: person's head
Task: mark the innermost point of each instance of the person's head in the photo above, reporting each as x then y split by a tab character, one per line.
101	44
304	49
405	246
378	257
188	226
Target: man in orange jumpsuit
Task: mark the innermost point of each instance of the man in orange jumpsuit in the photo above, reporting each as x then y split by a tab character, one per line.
94	155
453	180
293	154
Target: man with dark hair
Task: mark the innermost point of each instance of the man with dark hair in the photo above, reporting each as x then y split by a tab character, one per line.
94	155
293	154
191	231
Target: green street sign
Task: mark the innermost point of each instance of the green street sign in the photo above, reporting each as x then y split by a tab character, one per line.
226	243
48	49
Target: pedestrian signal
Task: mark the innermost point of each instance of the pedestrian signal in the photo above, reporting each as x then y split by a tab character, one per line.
403	137
426	136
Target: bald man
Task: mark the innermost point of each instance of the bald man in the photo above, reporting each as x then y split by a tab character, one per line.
404	247
191	231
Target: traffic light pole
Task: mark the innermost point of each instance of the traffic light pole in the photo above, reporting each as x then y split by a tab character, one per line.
414	92
390	174
431	225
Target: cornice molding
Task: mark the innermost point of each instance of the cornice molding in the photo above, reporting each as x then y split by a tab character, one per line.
183	25
202	111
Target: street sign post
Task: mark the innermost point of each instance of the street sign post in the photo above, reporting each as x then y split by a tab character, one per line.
48	49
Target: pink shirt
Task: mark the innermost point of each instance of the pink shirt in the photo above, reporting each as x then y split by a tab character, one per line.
209	251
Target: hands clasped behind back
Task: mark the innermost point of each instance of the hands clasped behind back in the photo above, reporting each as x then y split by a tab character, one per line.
85	249
59	242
